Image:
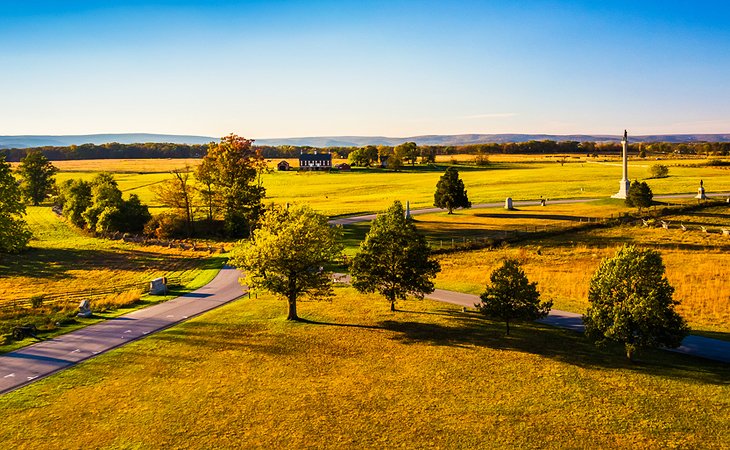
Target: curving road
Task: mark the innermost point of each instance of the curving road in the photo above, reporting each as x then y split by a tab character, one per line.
40	360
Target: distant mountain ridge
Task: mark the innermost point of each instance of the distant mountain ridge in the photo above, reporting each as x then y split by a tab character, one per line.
346	141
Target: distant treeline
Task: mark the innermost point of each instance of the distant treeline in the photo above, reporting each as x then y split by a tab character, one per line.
111	150
163	150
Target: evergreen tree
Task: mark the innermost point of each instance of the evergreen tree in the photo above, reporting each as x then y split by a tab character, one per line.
36	173
631	303
639	195
394	259
511	296
450	192
14	233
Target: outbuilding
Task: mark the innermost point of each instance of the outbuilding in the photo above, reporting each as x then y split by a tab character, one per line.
283	165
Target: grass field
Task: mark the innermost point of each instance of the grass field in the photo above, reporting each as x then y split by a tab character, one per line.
428	376
563	265
64	260
372	190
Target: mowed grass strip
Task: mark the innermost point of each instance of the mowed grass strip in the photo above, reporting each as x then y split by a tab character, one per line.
428	376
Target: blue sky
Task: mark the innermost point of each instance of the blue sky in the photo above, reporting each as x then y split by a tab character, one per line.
394	68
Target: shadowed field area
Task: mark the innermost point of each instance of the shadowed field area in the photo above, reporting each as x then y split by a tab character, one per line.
357	375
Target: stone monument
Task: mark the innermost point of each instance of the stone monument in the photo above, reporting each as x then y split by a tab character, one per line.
158	286
623	189
508	203
84	309
408	209
701	192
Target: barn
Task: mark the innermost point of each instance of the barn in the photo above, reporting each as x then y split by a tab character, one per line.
315	161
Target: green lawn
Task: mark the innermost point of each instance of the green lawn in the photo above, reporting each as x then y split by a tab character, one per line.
428	376
373	190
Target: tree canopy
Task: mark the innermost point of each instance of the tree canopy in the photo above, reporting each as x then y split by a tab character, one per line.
14	233
233	167
36	173
99	206
511	297
450	192
288	254
631	303
394	259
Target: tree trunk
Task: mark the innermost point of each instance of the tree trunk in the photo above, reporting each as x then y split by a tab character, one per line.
507	322
292	308
392	305
451	210
630	352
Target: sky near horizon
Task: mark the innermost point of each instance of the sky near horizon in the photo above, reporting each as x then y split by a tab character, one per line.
266	69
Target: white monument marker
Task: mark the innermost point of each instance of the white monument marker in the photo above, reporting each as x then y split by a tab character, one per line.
623	188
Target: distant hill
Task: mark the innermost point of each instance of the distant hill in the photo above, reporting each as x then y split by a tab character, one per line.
465	139
347	141
123	138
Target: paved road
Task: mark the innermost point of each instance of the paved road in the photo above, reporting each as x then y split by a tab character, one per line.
39	360
702	347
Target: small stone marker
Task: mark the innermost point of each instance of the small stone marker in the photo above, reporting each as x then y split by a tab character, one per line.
84	309
508	203
158	286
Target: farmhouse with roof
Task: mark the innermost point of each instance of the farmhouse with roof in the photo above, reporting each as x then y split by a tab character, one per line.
315	161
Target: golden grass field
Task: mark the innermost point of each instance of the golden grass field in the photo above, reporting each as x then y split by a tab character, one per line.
697	264
427	376
64	261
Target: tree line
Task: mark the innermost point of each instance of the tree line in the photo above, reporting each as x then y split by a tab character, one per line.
369	154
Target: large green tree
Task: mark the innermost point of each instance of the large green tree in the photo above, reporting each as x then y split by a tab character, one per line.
511	297
394	259
450	192
631	303
233	166
407	151
36	173
75	197
639	195
288	254
14	233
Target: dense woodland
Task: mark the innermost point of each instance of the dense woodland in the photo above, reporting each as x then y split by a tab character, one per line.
164	150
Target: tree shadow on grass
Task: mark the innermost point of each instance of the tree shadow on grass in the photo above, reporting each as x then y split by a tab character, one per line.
55	263
472	330
558	217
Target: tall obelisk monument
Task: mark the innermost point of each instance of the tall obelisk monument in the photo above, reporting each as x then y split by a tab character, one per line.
623	188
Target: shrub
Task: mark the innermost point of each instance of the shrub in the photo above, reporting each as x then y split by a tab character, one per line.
659	171
36	301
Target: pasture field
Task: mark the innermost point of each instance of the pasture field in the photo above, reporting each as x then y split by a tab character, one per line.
372	190
357	375
696	264
63	260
